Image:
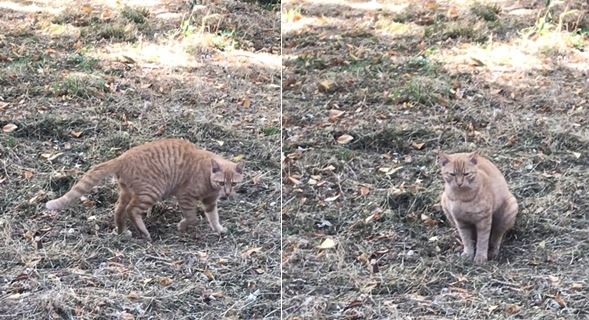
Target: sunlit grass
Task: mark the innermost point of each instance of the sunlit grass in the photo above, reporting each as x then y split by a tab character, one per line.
78	84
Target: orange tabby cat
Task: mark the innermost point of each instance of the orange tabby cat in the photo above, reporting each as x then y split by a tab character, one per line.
154	171
477	202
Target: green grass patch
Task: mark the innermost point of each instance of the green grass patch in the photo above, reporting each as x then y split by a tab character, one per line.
270	131
487	12
114	31
80	85
136	15
421	90
81	61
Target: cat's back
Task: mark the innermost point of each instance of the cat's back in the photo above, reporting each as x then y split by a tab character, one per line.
159	148
495	177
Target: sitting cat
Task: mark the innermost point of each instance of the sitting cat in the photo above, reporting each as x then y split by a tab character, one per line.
477	202
154	171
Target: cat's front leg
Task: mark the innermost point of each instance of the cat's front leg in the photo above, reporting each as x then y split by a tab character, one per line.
466	233
483	228
212	215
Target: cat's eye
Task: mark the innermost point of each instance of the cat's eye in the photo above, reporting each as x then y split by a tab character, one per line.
466	174
452	173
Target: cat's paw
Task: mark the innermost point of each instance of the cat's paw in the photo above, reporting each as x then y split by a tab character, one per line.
467	255
221	230
125	233
182	226
493	254
479	259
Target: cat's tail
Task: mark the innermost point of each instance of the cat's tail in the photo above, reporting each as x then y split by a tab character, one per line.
90	179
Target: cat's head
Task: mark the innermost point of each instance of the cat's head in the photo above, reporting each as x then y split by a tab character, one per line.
459	170
225	175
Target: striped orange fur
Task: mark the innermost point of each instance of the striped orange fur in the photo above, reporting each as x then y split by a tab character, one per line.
154	171
477	202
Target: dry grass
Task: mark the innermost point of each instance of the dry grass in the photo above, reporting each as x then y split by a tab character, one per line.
405	81
77	98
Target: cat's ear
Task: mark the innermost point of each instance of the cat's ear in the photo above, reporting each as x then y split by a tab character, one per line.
443	158
474	157
239	167
215	167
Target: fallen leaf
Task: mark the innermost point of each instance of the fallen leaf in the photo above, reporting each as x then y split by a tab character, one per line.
76	134
51	157
133	295
344	138
427	220
294	180
560	300
553	279
9	127
260	270
327	244
417	146
219	142
512	308
334	114
39	196
28	174
325	85
493	308
250	251
165	281
328	168
246	102
312	182
375	215
577	286
126	316
364	190
388	171
476	62
238	157
452	12
330	199
576	154
87	9
209	274
257	179
431	5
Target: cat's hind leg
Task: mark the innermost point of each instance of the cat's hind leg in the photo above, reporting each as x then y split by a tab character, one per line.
137	207
483	228
503	221
121	210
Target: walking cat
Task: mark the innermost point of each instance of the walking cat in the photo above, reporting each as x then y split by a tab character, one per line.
156	170
477	202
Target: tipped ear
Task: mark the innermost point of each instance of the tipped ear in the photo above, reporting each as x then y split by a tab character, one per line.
239	167
443	158
215	167
474	157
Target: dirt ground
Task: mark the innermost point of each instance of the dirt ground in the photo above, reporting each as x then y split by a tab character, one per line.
80	84
371	90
